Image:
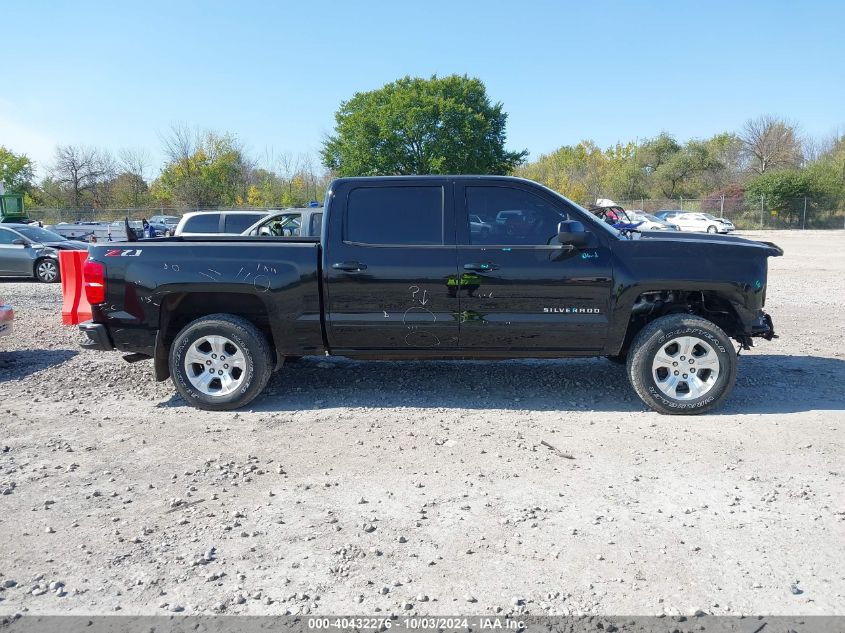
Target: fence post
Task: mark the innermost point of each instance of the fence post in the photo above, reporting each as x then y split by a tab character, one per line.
722	207
804	221
761	210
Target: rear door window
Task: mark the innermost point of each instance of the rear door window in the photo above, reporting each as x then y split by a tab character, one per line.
239	222
395	215
204	223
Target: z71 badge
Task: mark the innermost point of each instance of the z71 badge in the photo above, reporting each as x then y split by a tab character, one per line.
124	252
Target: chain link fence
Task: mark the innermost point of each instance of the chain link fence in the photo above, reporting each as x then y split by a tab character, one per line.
745	213
49	216
754	213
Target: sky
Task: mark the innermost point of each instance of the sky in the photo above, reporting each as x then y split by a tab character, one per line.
119	74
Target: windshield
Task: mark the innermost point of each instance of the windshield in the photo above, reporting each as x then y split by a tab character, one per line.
37	234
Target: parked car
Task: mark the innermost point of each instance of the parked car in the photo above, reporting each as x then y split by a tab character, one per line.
479	227
512	222
30	251
305	222
649	222
395	265
7	317
167	223
693	221
217	222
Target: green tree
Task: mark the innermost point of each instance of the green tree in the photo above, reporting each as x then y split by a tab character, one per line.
205	170
421	126
16	171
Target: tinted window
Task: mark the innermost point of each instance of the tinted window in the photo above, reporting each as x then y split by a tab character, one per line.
205	223
316	225
240	222
511	216
395	215
37	234
7	237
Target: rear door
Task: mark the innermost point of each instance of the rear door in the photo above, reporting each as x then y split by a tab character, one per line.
390	266
519	288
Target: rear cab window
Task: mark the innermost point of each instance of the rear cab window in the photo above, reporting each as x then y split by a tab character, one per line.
395	215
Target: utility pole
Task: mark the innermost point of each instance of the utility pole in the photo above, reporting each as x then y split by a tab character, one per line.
722	207
761	210
804	221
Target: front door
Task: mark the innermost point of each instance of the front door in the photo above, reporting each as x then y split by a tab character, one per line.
391	267
15	259
520	289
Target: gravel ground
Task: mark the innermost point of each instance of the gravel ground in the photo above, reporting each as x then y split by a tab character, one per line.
366	487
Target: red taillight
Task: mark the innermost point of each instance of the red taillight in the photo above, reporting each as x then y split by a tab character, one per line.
94	281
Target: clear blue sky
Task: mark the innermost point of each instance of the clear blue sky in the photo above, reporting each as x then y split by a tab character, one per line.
117	74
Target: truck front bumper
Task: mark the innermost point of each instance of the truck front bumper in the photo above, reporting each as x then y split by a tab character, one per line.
95	336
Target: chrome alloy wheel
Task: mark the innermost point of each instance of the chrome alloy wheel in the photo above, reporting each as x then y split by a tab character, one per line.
215	365
47	270
685	368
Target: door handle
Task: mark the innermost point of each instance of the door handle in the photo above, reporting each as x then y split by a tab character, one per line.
352	267
481	267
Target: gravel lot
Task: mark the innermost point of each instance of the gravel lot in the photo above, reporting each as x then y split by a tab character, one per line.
366	487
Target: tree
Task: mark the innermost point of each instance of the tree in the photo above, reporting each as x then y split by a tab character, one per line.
771	143
420	126
76	173
678	174
16	171
132	190
205	169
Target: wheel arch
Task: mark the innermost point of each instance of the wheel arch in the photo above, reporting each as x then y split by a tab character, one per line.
711	304
179	309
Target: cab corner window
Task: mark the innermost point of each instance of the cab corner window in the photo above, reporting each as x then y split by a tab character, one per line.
395	215
505	215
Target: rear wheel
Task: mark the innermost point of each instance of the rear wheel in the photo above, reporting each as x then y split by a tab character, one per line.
220	362
47	270
682	364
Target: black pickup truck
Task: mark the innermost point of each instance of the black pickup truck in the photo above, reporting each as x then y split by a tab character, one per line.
435	267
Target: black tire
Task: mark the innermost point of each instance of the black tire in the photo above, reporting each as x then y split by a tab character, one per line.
46	270
712	229
656	337
250	342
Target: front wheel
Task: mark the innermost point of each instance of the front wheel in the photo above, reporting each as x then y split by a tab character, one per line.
712	229
682	364
47	270
220	362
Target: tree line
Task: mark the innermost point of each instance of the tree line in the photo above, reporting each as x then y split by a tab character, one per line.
767	158
202	169
440	125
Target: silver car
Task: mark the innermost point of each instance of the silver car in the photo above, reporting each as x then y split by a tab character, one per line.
29	251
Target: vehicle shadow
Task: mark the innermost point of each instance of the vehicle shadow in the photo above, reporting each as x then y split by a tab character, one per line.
17	280
18	364
766	383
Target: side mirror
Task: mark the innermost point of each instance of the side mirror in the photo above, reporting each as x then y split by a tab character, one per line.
20	242
572	232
